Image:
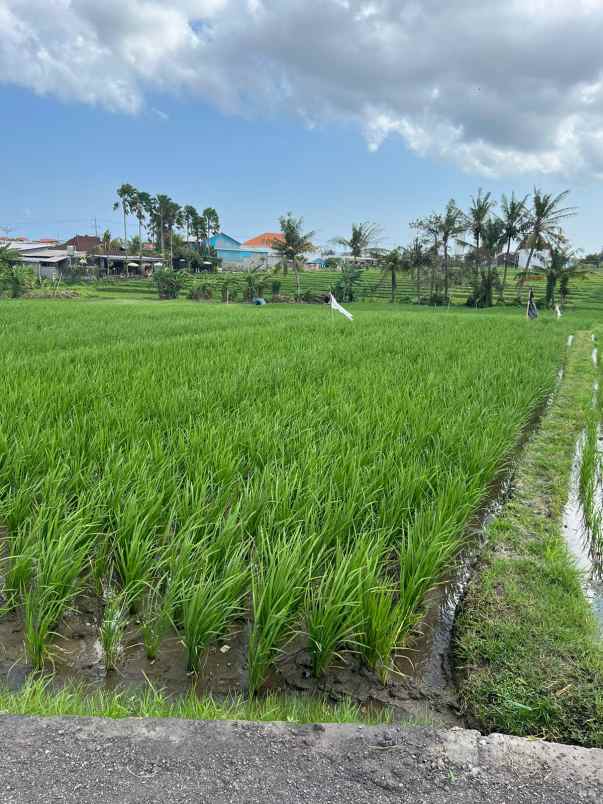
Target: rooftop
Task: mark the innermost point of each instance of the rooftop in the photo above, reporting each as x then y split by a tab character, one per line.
264	240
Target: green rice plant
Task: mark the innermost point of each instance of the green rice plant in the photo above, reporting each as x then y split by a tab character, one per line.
590	490
113	627
60	543
157	615
41	611
135	545
212	603
333	611
282	571
19	566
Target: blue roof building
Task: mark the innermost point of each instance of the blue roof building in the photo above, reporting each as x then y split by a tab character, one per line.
234	253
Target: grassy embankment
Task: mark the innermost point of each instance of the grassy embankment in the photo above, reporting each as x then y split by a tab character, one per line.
527	649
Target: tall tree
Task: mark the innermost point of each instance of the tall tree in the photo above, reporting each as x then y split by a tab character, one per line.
543	231
212	222
493	238
140	207
417	257
559	265
479	212
431	228
127	198
294	245
392	265
363	236
514	219
453	224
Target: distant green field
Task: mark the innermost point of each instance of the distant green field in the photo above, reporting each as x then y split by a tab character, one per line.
584	293
208	466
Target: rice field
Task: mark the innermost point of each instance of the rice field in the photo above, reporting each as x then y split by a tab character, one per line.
266	477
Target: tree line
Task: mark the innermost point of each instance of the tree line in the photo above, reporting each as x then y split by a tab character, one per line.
490	239
163	218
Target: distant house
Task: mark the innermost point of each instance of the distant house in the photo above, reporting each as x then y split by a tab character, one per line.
237	255
264	240
44	260
87	244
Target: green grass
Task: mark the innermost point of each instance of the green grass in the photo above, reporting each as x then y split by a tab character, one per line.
161	440
528	654
38	697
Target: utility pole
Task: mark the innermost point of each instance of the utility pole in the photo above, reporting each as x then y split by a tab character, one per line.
95	227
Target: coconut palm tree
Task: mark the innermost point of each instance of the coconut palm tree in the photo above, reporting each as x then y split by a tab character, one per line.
293	246
140	206
431	228
514	220
127	199
493	237
453	224
393	264
559	265
417	257
544	229
479	212
363	236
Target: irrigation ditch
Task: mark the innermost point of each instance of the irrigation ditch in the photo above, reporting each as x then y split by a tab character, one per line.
527	646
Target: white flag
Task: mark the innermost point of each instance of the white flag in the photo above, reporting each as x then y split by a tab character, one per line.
336	306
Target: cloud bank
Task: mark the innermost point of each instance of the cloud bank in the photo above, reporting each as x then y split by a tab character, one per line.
496	87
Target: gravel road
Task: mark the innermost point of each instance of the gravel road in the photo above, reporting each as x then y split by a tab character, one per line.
87	760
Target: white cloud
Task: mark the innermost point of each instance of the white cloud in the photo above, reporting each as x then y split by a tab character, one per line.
496	87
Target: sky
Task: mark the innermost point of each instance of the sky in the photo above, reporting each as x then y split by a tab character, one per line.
340	111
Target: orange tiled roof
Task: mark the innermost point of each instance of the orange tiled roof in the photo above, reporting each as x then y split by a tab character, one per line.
264	240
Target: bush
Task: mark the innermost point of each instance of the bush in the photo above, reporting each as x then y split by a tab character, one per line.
276	288
15	281
200	291
169	283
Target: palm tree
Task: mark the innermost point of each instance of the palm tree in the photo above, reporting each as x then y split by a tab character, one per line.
561	265
431	228
392	265
140	206
479	212
293	246
544	231
452	225
493	237
514	220
363	236
127	198
416	257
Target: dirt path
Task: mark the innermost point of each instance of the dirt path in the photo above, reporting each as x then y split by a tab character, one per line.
165	761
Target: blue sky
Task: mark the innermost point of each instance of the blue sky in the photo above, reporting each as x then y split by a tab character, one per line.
338	110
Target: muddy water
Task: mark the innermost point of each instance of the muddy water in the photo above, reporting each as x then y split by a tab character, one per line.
579	540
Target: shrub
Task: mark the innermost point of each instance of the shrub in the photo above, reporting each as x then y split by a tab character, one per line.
168	283
200	291
15	281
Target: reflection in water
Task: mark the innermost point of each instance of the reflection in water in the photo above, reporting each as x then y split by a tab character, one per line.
579	539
